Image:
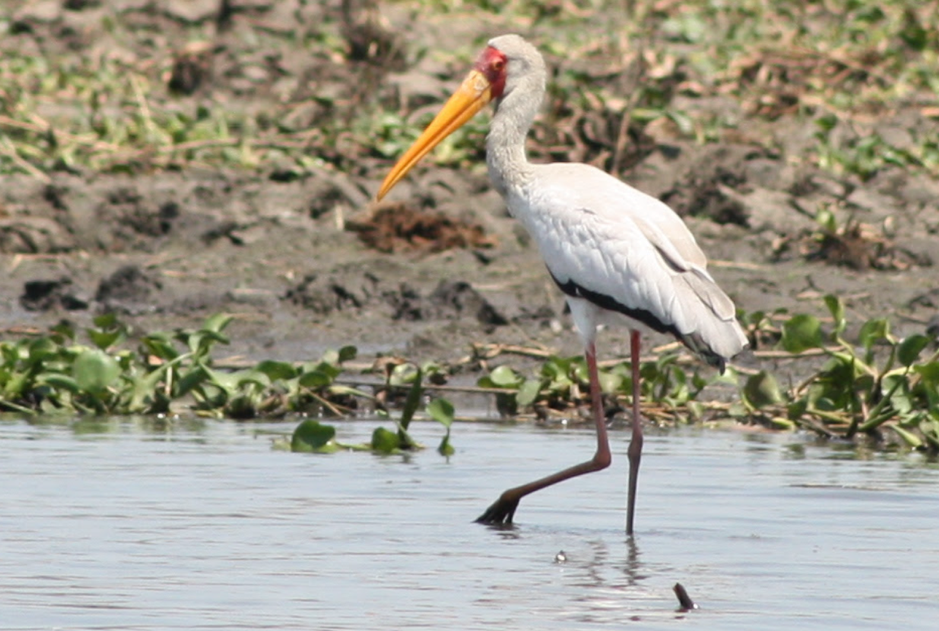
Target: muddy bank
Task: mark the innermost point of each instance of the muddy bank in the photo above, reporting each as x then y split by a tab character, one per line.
306	261
168	249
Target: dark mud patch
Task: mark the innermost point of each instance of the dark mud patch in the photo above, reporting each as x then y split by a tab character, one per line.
46	295
450	299
715	179
129	290
397	227
354	295
192	69
325	293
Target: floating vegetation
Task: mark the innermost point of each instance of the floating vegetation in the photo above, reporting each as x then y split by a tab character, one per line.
168	372
877	385
312	436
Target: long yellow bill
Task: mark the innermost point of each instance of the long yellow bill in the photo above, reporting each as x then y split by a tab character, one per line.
472	96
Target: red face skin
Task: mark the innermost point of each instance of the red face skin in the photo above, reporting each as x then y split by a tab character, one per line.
493	64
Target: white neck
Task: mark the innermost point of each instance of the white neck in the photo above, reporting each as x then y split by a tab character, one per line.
509	169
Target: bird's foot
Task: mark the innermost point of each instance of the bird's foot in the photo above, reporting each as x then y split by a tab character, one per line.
500	513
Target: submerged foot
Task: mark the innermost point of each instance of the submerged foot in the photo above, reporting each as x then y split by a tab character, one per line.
501	512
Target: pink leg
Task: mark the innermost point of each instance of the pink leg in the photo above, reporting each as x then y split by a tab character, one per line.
502	511
635	445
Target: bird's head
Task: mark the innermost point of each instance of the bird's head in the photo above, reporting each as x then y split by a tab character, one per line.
506	63
510	62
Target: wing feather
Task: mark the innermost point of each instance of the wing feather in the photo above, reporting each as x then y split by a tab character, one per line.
614	241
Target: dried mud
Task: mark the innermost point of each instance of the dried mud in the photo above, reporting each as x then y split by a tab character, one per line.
307	261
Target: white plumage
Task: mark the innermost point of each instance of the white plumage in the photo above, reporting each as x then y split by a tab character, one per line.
611	239
610	248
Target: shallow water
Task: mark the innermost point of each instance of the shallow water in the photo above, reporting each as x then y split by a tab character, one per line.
198	526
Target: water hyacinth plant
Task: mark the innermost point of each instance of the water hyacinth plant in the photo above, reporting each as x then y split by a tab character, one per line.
875	385
172	372
878	383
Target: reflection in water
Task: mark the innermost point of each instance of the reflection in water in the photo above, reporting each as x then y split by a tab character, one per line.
186	527
633	566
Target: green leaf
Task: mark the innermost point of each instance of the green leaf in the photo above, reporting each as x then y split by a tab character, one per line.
252	377
910	348
795	410
929	372
695	409
445	448
929	386
105	339
61	382
201	342
94	370
872	331
912	440
312	436
800	333
930	430
762	389
441	411
557	371
504	377
277	370
315	380
405	441
191	379
836	307
385	441
403	374
16	385
106	320
227	381
347	353
412	402
160	345
610	382
528	392
42	349
64	331
684	122
914	34
332	370
340	390
217	323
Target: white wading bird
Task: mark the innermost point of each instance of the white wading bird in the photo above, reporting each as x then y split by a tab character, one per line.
611	249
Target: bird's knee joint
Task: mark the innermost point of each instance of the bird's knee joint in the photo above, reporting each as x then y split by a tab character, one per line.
602	459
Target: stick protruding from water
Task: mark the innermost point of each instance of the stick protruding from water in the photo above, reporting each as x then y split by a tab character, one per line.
684	600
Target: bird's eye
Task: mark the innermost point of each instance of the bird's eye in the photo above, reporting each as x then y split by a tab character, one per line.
498	65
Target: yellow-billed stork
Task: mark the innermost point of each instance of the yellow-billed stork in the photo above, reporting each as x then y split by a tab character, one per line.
611	249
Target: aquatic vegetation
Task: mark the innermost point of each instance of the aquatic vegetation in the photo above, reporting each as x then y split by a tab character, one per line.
880	382
313	436
173	372
875	385
668	390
